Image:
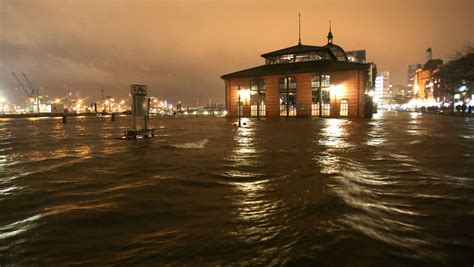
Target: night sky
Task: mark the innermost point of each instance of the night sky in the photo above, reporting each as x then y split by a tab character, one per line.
181	48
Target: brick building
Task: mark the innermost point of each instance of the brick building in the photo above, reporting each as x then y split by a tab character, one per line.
301	81
425	83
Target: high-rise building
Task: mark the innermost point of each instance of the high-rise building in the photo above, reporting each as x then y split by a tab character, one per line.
382	88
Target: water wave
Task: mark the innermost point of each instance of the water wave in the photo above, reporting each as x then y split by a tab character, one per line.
192	145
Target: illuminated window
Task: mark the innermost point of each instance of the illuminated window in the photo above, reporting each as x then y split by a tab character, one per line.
272	60
291	81
287	96
286	58
326	110
257	98
325	80
344	108
326	97
312	56
315	82
315	96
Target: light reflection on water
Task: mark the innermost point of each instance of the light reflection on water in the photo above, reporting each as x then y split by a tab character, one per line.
334	133
251	206
378	133
301	192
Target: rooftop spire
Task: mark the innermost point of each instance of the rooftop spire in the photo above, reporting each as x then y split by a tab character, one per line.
299	24
330	36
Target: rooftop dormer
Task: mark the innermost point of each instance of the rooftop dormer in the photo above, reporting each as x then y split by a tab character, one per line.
302	53
299	53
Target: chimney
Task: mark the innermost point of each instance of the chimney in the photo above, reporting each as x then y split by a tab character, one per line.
429	54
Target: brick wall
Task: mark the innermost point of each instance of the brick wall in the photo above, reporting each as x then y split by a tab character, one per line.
350	84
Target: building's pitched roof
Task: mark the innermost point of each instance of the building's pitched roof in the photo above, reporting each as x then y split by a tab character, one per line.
432	64
297	49
299	67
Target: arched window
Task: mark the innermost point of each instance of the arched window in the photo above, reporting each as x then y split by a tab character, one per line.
325	80
287	96
344	108
315	95
287	81
320	100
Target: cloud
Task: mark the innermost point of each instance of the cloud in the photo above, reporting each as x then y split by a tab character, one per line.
180	49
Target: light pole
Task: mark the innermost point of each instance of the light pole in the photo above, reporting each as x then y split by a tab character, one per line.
238	103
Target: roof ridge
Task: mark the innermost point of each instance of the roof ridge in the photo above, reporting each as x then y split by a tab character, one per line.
295	47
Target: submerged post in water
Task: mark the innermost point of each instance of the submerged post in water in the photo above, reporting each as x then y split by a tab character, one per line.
140	108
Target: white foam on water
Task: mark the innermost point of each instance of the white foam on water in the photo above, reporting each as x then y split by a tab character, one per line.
192	145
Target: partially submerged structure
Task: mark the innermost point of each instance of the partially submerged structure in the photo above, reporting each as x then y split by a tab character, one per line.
303	81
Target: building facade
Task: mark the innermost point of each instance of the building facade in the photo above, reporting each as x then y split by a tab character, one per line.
301	81
383	92
425	83
410	76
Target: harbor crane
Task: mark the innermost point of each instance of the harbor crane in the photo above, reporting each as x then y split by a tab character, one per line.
34	94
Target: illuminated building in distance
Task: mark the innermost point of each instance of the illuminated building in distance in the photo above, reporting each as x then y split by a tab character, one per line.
425	82
382	88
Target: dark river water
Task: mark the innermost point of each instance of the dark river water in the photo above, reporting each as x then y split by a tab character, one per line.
394	190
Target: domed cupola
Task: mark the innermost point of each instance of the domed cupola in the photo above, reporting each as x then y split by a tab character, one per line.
335	49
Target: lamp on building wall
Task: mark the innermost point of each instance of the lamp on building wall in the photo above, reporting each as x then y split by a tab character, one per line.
335	90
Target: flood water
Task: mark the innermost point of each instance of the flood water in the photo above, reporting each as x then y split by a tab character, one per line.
394	190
